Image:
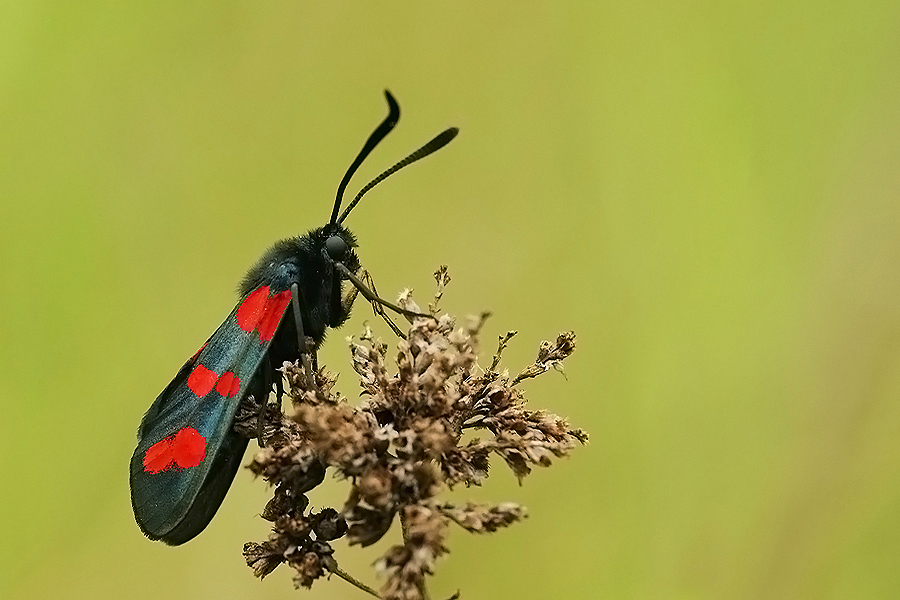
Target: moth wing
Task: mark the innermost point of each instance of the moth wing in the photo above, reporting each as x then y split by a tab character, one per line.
187	452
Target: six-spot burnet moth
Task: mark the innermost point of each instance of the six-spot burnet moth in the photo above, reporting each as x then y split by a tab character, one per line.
188	452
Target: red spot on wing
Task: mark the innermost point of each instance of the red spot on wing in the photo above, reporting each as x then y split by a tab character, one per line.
252	309
228	385
201	381
275	308
185	449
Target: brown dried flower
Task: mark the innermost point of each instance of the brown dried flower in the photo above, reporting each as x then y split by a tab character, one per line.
400	449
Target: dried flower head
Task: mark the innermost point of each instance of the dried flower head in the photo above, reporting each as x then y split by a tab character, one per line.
400	448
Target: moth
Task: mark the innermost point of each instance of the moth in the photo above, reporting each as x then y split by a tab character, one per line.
188	451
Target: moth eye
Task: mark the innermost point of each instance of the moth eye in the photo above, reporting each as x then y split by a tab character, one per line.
336	247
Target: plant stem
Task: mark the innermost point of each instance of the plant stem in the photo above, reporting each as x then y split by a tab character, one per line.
334	568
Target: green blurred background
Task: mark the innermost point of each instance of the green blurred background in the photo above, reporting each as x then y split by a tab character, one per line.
706	192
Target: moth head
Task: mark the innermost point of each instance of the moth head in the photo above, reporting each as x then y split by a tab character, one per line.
337	245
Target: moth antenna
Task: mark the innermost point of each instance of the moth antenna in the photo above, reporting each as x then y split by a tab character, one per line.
441	140
379	134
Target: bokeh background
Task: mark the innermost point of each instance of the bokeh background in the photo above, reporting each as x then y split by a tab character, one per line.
707	193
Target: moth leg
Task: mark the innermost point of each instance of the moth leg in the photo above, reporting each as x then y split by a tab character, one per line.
377	308
264	400
373	297
349	298
301	337
279	390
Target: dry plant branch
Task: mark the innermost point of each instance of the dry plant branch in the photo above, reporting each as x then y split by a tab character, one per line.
399	449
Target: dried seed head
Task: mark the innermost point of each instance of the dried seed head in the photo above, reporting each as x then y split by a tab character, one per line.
433	422
479	518
405	566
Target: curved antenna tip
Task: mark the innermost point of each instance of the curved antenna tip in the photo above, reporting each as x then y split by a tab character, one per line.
393	107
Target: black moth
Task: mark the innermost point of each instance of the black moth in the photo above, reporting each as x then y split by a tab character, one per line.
188	452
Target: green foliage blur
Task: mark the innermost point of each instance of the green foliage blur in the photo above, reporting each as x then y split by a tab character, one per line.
707	193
